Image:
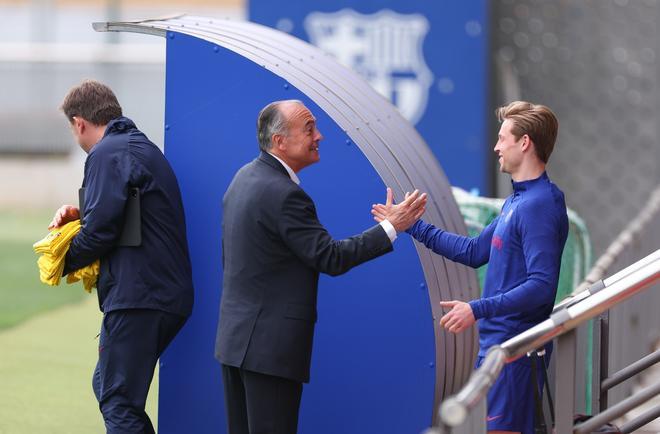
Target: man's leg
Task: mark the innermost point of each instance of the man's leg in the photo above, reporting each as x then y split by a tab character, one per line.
237	421
272	403
510	400
130	344
96	380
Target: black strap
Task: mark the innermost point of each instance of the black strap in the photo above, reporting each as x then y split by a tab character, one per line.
539	419
551	403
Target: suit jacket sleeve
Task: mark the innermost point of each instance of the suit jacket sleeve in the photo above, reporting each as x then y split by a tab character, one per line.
302	232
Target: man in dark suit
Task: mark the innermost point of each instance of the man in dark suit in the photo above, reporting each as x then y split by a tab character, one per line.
274	248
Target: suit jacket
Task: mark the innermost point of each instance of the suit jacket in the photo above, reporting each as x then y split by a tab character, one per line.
274	248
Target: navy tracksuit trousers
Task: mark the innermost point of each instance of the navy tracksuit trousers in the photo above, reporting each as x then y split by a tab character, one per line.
131	341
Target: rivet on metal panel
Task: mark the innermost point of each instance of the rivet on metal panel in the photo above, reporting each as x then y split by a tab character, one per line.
216	49
167	127
286	85
171	35
431	364
422	285
348	142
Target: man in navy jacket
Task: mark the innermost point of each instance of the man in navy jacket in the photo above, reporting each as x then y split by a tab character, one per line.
274	248
523	248
145	291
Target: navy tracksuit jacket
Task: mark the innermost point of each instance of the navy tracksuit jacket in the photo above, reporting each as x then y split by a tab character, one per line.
157	274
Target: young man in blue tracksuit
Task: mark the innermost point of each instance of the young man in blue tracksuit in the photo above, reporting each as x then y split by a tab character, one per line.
522	247
145	286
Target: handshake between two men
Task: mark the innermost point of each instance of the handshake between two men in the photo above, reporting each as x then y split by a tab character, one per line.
275	235
266	356
403	217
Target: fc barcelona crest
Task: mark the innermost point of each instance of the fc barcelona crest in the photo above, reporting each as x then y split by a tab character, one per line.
385	48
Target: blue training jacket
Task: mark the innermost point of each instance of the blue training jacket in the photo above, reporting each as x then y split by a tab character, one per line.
157	274
522	247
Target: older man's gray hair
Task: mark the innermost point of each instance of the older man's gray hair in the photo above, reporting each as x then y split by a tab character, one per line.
271	121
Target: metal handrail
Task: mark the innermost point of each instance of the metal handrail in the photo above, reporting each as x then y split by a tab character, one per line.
454	409
591	282
617	410
622	241
631	370
600	284
640	421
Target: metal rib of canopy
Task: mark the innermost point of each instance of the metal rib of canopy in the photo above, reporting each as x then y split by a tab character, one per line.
391	144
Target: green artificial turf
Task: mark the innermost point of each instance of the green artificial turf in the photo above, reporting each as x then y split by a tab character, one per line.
46	366
48	344
22	295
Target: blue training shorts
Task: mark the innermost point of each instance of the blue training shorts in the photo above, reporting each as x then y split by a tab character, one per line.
511	399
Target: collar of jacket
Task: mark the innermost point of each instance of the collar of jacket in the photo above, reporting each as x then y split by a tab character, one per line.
525	185
118	125
271	161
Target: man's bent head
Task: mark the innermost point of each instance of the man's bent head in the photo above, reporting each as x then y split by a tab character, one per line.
89	107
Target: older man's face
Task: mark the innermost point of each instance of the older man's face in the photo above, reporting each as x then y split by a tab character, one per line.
301	143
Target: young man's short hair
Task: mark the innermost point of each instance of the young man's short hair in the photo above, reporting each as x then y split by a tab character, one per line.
535	120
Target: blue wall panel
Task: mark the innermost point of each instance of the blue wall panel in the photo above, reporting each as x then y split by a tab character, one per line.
372	367
454	51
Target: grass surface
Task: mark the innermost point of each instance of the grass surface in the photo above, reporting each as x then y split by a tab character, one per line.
48	345
46	367
22	295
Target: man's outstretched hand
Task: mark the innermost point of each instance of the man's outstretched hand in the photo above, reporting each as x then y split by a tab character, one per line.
401	215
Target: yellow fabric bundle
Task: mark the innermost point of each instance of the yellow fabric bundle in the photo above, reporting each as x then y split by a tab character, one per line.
88	275
53	249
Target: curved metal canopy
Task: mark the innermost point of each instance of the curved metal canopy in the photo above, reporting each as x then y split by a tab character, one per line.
392	145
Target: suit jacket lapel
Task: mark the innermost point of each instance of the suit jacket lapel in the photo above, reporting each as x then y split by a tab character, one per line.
265	157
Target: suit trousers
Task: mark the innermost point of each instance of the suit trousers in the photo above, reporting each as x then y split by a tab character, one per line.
259	403
131	341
